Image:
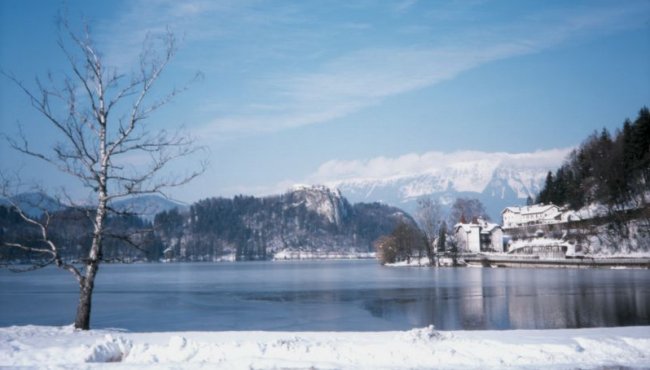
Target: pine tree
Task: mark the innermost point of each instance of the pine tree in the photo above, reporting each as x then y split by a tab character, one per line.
442	237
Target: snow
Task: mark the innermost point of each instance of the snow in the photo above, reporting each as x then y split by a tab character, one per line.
41	346
292	254
322	200
411	176
413	262
536	242
425	262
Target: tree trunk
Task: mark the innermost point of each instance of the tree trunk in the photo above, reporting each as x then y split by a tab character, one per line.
82	320
87	284
430	250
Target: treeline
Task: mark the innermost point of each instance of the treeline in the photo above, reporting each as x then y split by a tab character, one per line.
128	237
405	242
254	228
613	170
243	227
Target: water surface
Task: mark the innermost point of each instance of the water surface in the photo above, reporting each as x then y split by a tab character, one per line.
330	295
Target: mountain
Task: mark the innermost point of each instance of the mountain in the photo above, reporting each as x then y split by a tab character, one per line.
312	219
33	204
495	183
146	206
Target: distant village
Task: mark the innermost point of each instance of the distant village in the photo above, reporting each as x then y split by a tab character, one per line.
480	235
546	234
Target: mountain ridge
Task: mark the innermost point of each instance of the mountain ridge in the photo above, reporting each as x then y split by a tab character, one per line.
497	185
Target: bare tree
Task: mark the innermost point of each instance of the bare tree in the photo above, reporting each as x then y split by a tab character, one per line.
100	115
466	210
400	244
386	247
429	217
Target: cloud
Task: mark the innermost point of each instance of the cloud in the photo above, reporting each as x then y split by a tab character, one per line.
457	165
121	38
356	80
413	164
405	5
327	80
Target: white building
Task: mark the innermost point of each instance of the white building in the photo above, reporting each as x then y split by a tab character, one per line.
530	215
479	236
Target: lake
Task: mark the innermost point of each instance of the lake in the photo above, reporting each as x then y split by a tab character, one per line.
358	295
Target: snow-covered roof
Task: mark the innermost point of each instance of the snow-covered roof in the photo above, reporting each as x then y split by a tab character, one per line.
528	210
485	226
465	227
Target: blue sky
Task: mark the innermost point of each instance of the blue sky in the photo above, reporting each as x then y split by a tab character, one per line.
291	88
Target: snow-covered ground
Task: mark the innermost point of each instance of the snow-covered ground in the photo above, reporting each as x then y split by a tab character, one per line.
39	346
414	262
425	262
289	254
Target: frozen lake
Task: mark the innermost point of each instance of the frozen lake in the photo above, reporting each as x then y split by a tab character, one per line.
330	295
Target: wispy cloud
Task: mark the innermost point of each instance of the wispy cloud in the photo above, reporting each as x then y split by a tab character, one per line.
356	80
319	80
122	37
404	5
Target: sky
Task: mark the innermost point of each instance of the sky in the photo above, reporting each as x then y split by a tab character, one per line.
308	91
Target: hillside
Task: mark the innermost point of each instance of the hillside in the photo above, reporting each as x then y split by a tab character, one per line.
315	220
310	219
604	189
33	203
613	170
146	206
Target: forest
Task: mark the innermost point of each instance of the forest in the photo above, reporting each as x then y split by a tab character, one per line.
254	228
613	170
243	227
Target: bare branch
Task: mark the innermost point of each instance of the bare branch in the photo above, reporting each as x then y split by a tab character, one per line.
127	238
29	249
43	227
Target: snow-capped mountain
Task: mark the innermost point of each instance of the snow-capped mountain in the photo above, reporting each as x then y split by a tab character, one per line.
496	183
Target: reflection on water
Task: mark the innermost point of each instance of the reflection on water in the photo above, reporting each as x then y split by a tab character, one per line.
335	295
520	299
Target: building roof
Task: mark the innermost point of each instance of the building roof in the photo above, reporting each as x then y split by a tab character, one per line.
529	210
485	226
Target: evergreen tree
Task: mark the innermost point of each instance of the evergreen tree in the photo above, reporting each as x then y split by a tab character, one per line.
611	170
442	237
529	201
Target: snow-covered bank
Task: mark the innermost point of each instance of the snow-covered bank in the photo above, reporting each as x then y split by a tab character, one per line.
39	346
425	262
289	254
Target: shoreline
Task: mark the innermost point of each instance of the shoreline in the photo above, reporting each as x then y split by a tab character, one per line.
586	262
35	346
595	261
509	261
